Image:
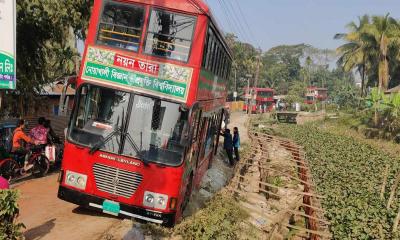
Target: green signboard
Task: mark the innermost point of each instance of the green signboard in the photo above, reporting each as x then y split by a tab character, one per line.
135	80
7	44
112	68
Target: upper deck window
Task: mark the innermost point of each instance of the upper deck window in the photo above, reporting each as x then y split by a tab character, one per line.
170	35
265	94
121	25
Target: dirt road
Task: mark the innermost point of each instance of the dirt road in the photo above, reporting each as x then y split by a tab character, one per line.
47	217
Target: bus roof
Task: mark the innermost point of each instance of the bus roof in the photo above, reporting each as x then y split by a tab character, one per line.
190	6
262	89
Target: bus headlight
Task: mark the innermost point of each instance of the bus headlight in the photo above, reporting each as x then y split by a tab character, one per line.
76	180
161	201
155	200
149	199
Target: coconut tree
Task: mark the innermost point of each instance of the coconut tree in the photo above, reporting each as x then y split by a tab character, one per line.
358	50
385	31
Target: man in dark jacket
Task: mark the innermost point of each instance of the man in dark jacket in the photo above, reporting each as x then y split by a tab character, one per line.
236	143
228	145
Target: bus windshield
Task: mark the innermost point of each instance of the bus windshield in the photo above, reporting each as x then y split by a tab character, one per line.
132	125
265	94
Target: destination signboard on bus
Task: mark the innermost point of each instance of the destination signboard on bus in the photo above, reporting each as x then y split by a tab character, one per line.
106	66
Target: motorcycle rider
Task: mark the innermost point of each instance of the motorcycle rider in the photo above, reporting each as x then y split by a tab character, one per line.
52	137
19	140
39	132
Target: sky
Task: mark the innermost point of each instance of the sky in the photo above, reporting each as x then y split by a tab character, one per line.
270	23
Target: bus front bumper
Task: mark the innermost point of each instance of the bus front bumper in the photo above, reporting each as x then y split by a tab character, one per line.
89	201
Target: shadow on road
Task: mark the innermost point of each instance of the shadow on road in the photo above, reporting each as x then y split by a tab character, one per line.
40	231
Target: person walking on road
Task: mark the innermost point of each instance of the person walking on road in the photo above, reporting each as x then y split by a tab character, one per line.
228	145
236	143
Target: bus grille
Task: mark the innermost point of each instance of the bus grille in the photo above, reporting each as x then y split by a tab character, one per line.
116	181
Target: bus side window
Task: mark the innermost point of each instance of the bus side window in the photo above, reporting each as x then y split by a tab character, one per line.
195	125
169	35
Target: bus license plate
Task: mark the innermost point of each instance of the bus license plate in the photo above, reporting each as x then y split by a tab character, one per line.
111	207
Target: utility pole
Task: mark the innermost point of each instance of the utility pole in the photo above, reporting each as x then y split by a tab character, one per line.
253	96
248	93
235	92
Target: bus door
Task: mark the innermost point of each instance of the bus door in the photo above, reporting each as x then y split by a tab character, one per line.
219	124
194	147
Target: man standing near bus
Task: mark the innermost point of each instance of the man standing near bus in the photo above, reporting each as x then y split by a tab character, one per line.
228	145
236	143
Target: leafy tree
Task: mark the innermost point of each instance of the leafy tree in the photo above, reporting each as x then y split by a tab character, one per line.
46	32
386	33
297	92
282	66
358	51
372	48
244	62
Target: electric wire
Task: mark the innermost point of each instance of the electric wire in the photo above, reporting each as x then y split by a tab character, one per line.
231	11
247	24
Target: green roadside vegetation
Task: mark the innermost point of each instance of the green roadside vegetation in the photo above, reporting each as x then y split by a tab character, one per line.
357	175
10	229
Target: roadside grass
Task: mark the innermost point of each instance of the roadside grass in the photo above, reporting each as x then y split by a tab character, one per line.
222	218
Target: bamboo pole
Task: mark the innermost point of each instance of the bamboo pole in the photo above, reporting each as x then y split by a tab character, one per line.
396	222
275	170
385	175
287	189
393	191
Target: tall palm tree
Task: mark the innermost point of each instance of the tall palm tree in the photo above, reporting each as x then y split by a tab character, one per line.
385	31
359	49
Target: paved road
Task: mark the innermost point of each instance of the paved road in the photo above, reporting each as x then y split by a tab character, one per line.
239	120
47	217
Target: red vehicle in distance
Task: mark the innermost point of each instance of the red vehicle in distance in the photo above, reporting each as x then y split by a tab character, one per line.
316	94
262	102
148	108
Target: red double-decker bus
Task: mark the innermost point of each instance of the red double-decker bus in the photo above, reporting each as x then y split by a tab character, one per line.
262	101
148	108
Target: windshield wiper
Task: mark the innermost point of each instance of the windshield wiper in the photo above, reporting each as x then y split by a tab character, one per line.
135	147
100	144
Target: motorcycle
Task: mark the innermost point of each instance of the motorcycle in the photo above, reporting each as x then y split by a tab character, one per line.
38	164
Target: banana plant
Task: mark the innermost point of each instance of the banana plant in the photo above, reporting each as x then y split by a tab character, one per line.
377	99
393	110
